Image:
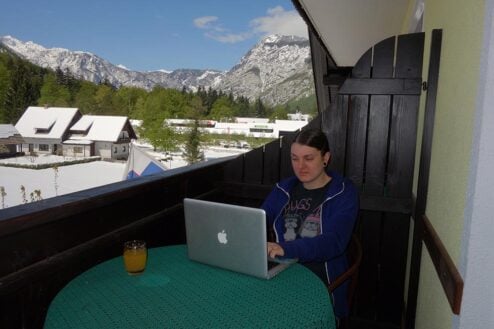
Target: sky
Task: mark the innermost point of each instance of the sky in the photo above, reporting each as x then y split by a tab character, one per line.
148	35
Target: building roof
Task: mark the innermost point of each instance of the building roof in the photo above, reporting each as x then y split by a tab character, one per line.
46	123
9	135
99	128
7	131
77	142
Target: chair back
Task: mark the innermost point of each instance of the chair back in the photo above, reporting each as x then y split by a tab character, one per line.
354	254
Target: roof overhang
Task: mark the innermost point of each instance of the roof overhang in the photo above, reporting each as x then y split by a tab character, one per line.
349	28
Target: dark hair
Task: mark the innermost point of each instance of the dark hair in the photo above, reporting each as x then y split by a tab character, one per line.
314	138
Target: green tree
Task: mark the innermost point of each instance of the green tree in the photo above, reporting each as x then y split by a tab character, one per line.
103	99
125	100
192	150
195	108
160	135
23	89
4	87
52	93
259	109
222	110
85	98
243	108
279	113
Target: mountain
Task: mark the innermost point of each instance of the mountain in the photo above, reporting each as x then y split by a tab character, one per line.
277	69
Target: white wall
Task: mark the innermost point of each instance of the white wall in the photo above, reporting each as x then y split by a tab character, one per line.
477	256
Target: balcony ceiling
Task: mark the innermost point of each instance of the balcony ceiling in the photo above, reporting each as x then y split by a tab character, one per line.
349	27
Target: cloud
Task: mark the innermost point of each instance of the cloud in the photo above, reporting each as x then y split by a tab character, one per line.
228	37
277	21
205	22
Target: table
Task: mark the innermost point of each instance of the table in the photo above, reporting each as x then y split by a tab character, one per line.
175	292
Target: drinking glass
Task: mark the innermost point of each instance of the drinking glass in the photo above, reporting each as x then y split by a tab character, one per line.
135	256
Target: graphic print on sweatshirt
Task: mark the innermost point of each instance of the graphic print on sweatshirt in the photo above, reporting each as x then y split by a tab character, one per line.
302	218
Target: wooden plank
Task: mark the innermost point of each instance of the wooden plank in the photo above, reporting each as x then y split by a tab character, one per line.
367	289
271	163
372	204
356	139
253	164
412	86
367	202
285	159
383	60
362	68
257	192
336	77
423	175
394	245
402	143
377	145
378	128
386	204
234	170
409	55
320	66
42	268
357	124
447	272
334	124
404	117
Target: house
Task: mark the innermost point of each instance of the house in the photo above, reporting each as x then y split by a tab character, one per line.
251	127
45	128
65	131
9	140
96	135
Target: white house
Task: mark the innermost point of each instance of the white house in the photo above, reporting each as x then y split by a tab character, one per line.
105	136
45	128
251	127
9	140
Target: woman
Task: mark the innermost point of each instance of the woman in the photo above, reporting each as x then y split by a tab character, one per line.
313	213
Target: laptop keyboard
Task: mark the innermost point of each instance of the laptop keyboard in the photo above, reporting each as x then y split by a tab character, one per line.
272	264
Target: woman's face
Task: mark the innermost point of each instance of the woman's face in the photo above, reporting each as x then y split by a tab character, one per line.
308	165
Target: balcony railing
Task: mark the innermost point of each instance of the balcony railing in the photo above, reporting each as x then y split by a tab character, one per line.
44	245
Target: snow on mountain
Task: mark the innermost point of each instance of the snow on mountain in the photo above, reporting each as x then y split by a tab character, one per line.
276	70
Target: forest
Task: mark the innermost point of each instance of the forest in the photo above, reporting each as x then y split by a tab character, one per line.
23	84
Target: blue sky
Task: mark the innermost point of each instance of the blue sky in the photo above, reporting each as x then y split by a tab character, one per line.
147	35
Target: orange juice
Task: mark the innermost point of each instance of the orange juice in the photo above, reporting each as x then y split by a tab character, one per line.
135	257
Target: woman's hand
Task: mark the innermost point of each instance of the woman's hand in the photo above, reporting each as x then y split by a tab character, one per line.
274	250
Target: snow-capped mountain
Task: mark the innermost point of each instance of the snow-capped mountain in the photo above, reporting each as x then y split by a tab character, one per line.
277	69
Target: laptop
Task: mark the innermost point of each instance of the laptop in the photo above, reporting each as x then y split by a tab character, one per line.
231	237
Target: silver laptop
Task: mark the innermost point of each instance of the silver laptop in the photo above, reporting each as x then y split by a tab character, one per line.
231	237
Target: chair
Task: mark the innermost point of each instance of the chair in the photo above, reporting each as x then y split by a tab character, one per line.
354	255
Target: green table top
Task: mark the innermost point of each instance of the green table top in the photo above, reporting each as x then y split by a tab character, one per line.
175	292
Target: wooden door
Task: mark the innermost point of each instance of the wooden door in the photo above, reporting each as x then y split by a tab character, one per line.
370	117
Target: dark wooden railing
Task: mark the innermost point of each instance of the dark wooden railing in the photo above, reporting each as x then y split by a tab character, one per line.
44	245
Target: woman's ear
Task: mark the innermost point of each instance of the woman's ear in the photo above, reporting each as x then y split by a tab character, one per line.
326	158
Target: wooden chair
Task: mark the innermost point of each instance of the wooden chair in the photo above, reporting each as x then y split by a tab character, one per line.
354	254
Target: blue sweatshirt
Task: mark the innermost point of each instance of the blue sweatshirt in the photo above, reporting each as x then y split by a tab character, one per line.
338	216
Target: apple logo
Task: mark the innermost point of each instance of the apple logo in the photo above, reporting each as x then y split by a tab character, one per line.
222	237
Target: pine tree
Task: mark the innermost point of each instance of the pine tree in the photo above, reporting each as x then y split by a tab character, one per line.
192	152
23	89
260	109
